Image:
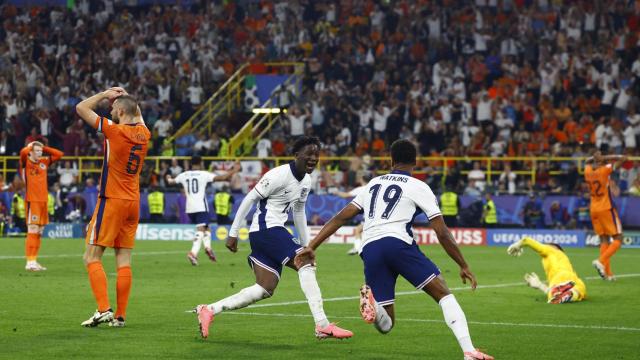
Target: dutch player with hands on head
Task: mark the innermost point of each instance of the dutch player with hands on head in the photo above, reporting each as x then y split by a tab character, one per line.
390	204
117	213
282	189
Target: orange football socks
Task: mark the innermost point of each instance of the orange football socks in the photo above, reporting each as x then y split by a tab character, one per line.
123	288
605	258
98	280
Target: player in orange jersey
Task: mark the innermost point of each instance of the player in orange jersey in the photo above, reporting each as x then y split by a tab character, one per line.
604	215
33	170
115	218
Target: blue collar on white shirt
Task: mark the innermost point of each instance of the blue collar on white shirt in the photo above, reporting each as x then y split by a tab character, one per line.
292	166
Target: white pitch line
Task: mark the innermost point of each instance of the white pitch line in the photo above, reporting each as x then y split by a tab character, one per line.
13	257
563	326
413	292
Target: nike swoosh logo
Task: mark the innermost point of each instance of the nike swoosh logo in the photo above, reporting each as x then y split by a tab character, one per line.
286	192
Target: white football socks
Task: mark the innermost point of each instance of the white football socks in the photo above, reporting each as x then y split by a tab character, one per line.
383	321
195	248
455	319
311	290
207	239
244	298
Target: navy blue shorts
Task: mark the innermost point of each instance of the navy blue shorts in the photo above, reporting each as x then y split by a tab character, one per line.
199	218
386	258
272	248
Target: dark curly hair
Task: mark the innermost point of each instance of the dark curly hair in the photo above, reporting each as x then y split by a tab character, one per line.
403	152
303	141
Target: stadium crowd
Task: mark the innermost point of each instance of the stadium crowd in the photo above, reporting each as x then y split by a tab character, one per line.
460	78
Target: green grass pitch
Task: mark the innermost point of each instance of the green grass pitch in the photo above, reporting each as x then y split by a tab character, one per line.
40	313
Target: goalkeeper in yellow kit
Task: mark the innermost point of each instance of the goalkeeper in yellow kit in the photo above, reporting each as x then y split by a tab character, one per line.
564	284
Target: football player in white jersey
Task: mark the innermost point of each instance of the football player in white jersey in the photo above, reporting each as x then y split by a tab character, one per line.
195	182
390	204
357	241
281	190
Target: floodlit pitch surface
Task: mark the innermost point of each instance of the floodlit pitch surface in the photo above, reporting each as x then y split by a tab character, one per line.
40	313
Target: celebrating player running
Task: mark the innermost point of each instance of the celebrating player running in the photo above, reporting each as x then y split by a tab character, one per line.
280	190
390	204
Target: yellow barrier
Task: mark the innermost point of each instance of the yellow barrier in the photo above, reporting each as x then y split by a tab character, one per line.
436	165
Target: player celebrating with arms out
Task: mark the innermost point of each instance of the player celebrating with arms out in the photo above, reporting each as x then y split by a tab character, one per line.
33	170
280	190
390	204
604	215
195	182
564	284
115	218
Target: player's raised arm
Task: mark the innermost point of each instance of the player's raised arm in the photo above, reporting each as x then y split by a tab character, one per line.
237	167
24	154
448	243
347	213
619	160
86	108
54	154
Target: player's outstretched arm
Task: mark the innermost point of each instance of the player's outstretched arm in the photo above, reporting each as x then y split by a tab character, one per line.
448	243
247	203
237	167
347	213
542	249
86	108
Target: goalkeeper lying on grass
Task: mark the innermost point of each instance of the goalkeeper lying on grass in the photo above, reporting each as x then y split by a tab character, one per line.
564	284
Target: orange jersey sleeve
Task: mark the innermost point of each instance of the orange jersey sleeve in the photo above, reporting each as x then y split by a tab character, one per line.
34	175
598	180
54	154
125	147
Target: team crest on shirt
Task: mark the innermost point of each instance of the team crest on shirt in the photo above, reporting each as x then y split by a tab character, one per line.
34	217
304	192
42	166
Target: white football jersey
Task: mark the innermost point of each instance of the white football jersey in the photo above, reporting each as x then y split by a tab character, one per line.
357	190
390	204
195	183
279	190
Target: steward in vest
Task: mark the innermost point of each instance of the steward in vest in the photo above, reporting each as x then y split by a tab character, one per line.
490	213
156	206
450	207
223	203
18	212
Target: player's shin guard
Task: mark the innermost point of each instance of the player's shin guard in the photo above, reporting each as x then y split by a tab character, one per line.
309	285
455	319
197	242
98	280
244	298
123	288
206	239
